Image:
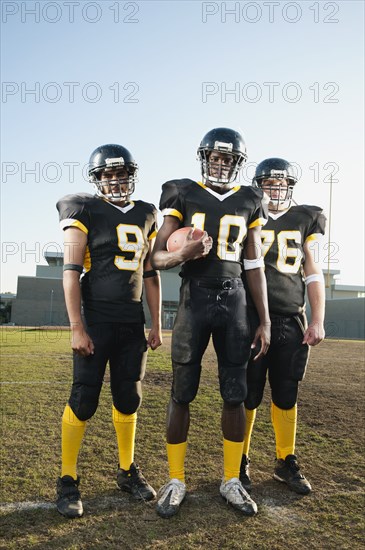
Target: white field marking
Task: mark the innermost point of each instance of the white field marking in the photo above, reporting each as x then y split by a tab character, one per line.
53	355
32	383
279	512
100	502
25	506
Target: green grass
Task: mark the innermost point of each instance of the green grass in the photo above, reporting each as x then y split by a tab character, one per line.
36	375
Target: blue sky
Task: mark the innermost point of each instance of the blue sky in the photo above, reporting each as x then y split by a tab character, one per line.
155	77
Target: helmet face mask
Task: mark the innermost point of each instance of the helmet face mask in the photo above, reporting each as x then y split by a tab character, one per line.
279	193
112	172
222	153
276	177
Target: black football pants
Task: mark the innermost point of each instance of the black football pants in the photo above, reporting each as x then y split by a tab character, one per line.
285	363
124	346
220	311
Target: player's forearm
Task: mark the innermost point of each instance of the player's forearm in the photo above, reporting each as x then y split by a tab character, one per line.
163	259
256	281
72	290
153	296
316	298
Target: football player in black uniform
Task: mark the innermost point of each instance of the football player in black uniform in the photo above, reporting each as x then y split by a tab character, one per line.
108	237
289	241
213	303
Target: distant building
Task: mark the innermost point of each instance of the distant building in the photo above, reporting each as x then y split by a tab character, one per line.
40	300
6	304
336	291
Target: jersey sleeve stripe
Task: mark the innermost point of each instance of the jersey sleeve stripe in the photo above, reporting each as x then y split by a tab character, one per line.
314	237
172	212
153	235
64	224
87	260
258	221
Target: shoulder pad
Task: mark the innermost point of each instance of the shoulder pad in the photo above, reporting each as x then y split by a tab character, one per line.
78	199
172	190
255	191
174	186
148	206
311	209
314	212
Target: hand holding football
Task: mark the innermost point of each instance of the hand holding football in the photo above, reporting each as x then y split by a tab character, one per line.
177	238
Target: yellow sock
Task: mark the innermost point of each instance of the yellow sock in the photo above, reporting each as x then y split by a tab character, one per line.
232	455
285	427
176	456
72	433
250	420
125	427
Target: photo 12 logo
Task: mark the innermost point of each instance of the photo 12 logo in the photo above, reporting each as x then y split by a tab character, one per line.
49	172
68	92
269	12
321	172
253	92
70	12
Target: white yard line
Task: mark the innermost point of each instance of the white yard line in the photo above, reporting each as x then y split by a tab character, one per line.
33	382
121	501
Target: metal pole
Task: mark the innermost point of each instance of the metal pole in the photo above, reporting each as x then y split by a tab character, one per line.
329	236
51	308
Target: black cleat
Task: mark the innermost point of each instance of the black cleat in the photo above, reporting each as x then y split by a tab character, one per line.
69	500
288	472
245	474
132	481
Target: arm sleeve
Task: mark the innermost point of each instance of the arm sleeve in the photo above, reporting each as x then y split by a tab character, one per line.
153	229
318	226
171	201
260	212
72	213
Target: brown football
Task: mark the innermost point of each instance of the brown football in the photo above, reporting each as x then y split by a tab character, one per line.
177	238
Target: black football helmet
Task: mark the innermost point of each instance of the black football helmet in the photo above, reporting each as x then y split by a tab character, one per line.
280	196
230	143
111	167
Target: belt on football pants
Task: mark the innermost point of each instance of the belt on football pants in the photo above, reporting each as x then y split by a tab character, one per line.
218	284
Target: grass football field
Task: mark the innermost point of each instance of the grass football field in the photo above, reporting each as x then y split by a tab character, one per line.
36	374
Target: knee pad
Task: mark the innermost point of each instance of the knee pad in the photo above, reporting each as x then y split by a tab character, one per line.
182	396
256	381
185	383
233	386
285	395
84	401
128	398
254	397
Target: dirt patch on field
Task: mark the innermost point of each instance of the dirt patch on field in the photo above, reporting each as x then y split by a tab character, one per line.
330	396
330	443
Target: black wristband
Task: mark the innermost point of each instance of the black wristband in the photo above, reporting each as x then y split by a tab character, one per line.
151	273
73	267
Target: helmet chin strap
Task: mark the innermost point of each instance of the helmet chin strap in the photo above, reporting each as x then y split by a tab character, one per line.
279	206
122	196
223	183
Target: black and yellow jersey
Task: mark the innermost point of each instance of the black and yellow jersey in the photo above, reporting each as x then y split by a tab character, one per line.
117	244
283	240
226	218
